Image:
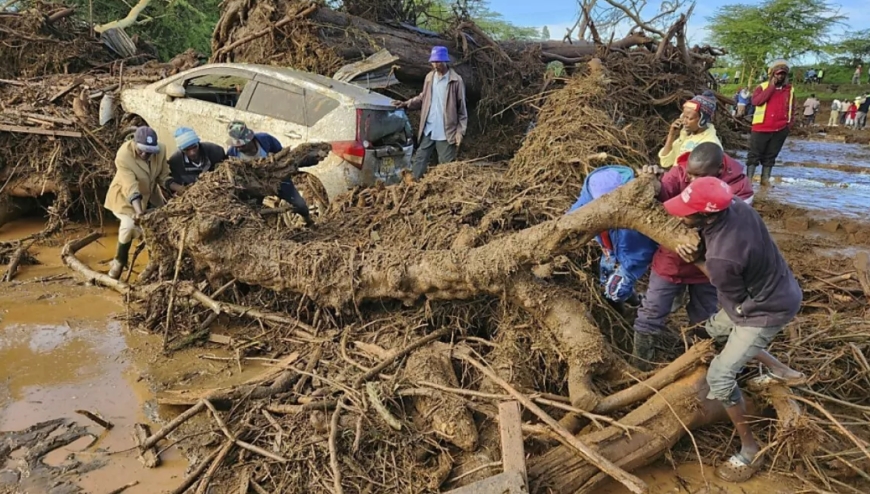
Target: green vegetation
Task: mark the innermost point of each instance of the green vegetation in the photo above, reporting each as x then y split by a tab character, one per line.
756	34
438	15
171	26
803	91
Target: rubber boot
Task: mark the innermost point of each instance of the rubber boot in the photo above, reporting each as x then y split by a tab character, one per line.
765	175
750	172
644	351
120	261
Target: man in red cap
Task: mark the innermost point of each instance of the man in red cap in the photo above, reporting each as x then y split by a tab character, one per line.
758	293
443	114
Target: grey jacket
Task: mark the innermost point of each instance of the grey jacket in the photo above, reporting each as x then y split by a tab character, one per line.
455	114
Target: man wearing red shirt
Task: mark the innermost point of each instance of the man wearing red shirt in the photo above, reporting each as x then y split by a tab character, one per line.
774	110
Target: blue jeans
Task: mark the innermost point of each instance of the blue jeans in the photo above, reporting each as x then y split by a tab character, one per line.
742	344
660	297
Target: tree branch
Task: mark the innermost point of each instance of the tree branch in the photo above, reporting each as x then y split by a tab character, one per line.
127	21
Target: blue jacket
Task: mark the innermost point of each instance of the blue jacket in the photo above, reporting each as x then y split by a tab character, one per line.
632	252
267	142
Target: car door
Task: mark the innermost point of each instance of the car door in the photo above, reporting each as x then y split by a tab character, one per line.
213	98
279	109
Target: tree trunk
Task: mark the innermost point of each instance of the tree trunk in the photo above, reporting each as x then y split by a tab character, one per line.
562	471
228	238
353	38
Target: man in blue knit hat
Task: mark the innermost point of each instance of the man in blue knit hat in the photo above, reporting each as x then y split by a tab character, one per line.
443	116
193	157
626	254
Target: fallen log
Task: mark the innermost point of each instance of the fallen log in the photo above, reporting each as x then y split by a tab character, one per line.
350	38
327	273
562	471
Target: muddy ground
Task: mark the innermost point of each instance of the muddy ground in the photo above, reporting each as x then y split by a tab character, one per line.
64	347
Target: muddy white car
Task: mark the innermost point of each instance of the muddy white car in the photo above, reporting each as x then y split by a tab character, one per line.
371	140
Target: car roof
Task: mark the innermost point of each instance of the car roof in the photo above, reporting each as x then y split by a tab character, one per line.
350	93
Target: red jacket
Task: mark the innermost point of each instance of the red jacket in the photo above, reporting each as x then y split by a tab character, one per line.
777	115
669	265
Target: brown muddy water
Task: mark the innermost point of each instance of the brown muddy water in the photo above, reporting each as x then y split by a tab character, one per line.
62	350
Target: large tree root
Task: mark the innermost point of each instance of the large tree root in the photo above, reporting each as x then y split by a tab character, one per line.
337	276
664	419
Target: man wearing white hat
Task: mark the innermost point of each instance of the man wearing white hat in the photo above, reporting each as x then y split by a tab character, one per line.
443	116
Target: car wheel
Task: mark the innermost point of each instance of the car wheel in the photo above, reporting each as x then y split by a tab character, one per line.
129	124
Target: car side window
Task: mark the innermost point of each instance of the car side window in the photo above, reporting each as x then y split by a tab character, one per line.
284	104
220	89
318	106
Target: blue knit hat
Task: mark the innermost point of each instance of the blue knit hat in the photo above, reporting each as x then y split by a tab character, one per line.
439	54
185	137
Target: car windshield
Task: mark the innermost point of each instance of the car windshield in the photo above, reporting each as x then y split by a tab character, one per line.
378	124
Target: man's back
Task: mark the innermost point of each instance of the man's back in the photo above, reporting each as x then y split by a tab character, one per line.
756	286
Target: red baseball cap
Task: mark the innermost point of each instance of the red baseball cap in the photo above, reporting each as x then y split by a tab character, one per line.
704	195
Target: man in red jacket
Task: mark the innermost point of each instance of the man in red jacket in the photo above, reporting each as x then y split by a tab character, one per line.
671	275
774	113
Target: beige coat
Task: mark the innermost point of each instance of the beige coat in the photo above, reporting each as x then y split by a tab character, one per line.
456	113
134	176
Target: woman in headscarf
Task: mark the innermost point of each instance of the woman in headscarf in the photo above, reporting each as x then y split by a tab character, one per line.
692	128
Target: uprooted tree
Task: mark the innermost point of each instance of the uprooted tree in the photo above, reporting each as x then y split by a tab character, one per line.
396	296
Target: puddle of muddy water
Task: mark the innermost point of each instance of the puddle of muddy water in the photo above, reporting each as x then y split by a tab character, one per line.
61	350
831	178
688	478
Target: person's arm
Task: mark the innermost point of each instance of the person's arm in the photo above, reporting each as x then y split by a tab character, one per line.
165	176
416	102
462	112
128	181
668	154
671	182
762	96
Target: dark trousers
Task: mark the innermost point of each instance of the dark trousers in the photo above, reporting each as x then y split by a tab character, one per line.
288	192
764	147
660	297
446	154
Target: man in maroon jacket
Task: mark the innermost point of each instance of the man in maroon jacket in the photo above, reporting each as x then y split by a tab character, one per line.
774	113
671	275
758	293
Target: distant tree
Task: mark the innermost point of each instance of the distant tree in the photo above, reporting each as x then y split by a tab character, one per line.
545	33
439	15
853	49
756	34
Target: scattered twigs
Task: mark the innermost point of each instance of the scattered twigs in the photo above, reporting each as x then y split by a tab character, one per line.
389	418
259	34
123	488
148	456
862	266
198	471
333	449
213	468
633	483
242	444
172	289
172	425
401	353
16	260
105	424
859	443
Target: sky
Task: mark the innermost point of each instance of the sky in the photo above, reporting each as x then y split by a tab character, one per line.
559	15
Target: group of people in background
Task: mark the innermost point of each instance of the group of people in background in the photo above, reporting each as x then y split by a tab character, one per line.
852	114
738	266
